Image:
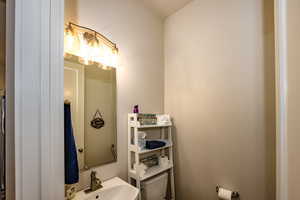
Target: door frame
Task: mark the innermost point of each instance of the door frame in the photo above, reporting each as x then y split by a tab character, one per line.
35	134
280	10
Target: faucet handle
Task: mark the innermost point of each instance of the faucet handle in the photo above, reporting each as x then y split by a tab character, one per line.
93	174
94	177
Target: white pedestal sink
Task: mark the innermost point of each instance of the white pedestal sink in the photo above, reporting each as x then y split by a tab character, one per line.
113	189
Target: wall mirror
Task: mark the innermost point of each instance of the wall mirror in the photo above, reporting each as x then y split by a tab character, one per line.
91	92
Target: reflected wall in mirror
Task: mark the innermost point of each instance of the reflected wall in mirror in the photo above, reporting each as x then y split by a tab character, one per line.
91	91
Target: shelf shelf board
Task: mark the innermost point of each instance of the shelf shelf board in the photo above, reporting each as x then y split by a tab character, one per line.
137	149
150	126
150	172
143	151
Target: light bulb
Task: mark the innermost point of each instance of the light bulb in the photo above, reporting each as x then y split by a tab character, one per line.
104	67
83	60
68	41
115	58
94	51
83	52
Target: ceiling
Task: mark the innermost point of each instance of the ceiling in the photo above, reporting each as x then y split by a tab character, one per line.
166	8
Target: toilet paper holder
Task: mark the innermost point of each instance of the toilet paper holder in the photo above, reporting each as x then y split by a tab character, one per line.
234	195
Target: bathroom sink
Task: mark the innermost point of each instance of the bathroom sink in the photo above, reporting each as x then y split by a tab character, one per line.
113	189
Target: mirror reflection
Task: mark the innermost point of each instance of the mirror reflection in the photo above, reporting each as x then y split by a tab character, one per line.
91	92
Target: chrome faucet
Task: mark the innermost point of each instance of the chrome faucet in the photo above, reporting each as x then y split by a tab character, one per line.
95	183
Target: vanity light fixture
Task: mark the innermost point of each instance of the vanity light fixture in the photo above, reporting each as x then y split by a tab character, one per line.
90	46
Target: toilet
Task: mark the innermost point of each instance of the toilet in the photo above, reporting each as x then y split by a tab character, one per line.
156	188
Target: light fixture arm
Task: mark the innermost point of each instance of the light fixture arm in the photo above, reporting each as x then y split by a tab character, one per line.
97	34
89	46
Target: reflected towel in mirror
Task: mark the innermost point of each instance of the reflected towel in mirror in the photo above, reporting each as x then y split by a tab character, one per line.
71	162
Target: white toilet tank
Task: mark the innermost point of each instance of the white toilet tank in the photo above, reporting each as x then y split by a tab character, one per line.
156	188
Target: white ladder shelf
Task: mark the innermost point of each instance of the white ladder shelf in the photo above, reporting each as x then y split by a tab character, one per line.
134	153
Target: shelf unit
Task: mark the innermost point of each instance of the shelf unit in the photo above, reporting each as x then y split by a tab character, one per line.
135	153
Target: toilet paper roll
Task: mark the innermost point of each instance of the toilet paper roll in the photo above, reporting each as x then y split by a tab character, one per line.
224	194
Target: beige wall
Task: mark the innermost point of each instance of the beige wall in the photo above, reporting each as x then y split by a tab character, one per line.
2	76
139	36
219	87
293	101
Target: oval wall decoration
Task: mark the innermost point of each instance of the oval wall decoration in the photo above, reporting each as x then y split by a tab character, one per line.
97	122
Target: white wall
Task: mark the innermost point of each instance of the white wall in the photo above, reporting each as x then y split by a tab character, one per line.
220	89
293	98
139	36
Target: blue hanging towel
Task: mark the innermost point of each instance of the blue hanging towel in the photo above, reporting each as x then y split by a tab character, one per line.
71	162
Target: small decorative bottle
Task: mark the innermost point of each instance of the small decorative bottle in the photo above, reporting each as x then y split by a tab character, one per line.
136	109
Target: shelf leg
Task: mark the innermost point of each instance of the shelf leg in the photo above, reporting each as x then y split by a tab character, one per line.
138	185
172	184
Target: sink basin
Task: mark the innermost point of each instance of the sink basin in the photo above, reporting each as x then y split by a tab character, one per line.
113	189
